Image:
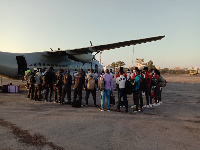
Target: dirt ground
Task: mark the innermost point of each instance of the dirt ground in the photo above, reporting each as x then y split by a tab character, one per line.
33	125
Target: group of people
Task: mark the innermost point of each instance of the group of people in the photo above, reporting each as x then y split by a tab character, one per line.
149	82
44	82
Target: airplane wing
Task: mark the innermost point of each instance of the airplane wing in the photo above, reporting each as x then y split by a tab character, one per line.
99	48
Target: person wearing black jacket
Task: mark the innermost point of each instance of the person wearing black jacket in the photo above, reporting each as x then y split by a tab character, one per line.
78	87
49	82
67	82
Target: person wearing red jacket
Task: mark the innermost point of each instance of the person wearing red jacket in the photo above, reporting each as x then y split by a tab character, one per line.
148	77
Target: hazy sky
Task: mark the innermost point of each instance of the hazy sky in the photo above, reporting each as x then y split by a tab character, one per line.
37	25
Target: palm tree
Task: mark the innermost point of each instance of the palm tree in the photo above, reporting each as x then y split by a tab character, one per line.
114	65
120	63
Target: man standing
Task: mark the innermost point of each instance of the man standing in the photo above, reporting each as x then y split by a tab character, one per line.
136	93
90	81
32	84
111	73
121	81
148	77
58	86
49	81
74	74
128	74
156	87
67	82
38	85
108	90
78	87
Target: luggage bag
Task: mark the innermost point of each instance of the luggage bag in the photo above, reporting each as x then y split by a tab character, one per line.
13	89
4	89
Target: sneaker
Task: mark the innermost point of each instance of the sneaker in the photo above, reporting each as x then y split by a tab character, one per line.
155	104
135	111
101	109
150	105
140	109
108	110
133	106
147	106
86	105
126	110
123	106
118	110
160	102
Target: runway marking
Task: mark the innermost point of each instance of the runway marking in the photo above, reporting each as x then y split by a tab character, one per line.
25	137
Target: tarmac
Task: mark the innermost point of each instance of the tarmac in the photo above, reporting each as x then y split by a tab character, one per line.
35	125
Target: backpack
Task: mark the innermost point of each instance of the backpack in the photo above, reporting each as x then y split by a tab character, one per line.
154	82
143	84
128	87
78	81
101	85
91	83
162	82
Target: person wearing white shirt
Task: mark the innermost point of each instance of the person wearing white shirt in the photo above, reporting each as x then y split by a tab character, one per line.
128	75
121	81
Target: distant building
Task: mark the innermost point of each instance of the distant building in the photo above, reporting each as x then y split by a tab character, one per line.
177	68
141	64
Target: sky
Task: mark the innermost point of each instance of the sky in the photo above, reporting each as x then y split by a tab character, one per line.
38	25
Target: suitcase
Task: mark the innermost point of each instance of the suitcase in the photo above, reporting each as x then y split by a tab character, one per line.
76	103
4	89
13	89
112	99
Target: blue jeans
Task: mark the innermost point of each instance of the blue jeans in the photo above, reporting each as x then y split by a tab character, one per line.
106	93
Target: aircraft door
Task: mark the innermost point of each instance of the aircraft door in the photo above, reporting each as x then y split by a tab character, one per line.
22	65
96	68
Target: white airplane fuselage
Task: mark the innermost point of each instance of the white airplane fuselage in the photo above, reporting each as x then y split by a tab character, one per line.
10	63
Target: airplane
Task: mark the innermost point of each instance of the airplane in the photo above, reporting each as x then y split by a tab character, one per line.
14	65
